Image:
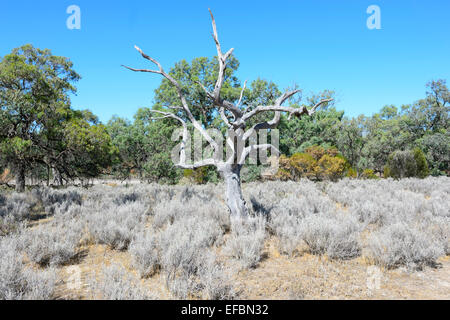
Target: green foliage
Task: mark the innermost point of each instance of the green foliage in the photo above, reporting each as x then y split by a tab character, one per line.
41	136
330	168
351	173
350	140
437	149
421	164
368	174
201	70
387	172
144	147
91	148
296	135
406	164
316	163
251	173
38	129
198	176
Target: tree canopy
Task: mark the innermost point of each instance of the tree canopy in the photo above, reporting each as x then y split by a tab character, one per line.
42	136
37	125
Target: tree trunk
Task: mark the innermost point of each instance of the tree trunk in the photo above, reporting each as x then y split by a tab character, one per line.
57	177
235	201
48	175
20	179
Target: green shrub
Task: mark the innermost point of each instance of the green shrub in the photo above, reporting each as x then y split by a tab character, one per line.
316	163
368	174
198	176
351	173
421	164
251	173
406	164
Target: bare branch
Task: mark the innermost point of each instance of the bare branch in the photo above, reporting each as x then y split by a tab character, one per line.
313	109
141	70
251	148
224	117
292	111
272	124
215	36
242	94
181	96
208	93
278	108
285	96
182	164
174	107
215	95
169	115
203	163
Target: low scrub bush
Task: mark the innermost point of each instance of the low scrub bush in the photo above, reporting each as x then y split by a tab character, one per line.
315	163
116	226
408	163
209	281
18	282
246	241
116	283
17	205
53	244
403	245
336	237
184	252
285	222
144	250
60	200
182	243
216	282
125	198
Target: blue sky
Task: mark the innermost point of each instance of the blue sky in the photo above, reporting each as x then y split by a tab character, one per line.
319	44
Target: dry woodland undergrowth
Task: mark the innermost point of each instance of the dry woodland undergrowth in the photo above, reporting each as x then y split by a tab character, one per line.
353	239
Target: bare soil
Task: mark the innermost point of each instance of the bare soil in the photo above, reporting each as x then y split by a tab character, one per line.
277	276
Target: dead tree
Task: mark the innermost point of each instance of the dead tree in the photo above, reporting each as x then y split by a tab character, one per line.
235	117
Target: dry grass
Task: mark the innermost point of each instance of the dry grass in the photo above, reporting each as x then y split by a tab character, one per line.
277	276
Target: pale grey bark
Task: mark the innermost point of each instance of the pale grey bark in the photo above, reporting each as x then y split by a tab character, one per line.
57	177
233	191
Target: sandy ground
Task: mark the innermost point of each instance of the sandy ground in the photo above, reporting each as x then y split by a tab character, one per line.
280	277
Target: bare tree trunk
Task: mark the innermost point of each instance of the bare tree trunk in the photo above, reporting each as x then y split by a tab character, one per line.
235	201
48	175
20	178
57	177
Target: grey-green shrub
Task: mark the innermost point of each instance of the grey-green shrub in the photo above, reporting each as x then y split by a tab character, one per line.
18	282
246	241
53	244
116	283
335	236
401	244
144	250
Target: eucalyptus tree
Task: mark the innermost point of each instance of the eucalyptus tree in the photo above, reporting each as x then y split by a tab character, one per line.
34	100
351	141
234	114
144	147
38	127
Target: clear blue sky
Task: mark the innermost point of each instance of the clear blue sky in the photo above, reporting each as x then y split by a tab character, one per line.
320	44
